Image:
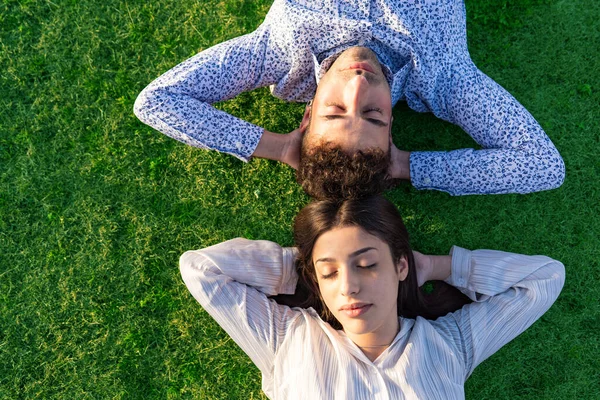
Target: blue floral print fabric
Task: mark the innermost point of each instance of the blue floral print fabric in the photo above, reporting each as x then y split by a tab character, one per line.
422	46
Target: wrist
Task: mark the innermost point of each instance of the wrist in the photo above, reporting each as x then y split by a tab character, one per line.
441	267
400	164
287	147
271	146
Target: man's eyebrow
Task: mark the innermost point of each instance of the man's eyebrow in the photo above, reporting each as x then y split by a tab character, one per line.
373	121
356	253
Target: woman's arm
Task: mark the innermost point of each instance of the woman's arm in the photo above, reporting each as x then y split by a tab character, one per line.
232	280
178	103
432	268
509	292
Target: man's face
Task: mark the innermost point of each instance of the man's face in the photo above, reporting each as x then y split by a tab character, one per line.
352	107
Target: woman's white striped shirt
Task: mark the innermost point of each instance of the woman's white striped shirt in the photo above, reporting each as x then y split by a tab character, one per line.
302	357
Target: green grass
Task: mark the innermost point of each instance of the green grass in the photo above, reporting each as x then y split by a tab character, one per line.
95	207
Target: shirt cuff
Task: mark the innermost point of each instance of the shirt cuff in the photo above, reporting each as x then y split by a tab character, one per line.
420	168
432	170
289	279
461	267
245	146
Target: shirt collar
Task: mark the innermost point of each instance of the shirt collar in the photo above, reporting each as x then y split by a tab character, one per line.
406	325
322	67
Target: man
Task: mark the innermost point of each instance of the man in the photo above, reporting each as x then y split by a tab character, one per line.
354	60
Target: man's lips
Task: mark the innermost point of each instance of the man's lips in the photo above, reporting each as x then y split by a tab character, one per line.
355	309
362	65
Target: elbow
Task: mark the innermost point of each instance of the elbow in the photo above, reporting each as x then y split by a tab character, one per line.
144	104
542	170
139	107
192	267
559	171
547	285
554	171
187	262
194	262
557	280
561	274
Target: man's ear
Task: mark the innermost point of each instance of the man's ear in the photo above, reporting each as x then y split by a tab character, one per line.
402	268
306	118
307	111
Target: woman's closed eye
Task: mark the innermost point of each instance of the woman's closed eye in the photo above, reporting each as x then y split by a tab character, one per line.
368	266
331	275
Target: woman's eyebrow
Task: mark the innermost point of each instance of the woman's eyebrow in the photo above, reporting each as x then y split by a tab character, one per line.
363	250
354	254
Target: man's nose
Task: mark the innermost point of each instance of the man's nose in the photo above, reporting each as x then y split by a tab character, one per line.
354	90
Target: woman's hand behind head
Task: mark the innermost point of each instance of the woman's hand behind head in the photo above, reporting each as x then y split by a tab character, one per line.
424	267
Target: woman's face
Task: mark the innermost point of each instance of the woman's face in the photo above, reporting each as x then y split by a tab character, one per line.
358	279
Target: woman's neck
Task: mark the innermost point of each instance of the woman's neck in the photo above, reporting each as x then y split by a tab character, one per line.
372	344
373	353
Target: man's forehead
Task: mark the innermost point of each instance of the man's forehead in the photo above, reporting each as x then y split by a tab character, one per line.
347	142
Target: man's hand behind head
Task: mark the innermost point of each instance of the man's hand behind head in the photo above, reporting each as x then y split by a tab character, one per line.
291	152
400	165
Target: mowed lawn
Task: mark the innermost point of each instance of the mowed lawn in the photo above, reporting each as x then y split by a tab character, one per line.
95	207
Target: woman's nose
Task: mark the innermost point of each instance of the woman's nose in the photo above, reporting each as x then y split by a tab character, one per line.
349	283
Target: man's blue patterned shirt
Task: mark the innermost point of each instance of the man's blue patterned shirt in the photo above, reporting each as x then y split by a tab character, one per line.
422	46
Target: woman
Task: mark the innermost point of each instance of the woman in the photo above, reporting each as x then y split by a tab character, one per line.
354	257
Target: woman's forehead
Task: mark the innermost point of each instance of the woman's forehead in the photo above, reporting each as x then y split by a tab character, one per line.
346	242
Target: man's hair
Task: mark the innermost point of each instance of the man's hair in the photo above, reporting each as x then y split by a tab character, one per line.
328	173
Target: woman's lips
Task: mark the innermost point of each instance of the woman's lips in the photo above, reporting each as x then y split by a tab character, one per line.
362	65
354	311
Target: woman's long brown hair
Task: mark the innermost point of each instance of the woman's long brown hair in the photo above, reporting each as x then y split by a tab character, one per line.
380	218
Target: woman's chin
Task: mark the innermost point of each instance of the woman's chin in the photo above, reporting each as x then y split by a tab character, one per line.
356	327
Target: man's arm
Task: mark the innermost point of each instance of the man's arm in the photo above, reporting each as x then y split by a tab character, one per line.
284	148
178	103
399	163
517	156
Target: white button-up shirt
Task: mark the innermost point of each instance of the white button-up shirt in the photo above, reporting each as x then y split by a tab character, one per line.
302	357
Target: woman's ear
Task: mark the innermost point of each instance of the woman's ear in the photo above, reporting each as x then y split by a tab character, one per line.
402	269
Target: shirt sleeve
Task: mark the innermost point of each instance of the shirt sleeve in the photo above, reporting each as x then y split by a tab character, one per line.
516	156
509	292
232	280
178	103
